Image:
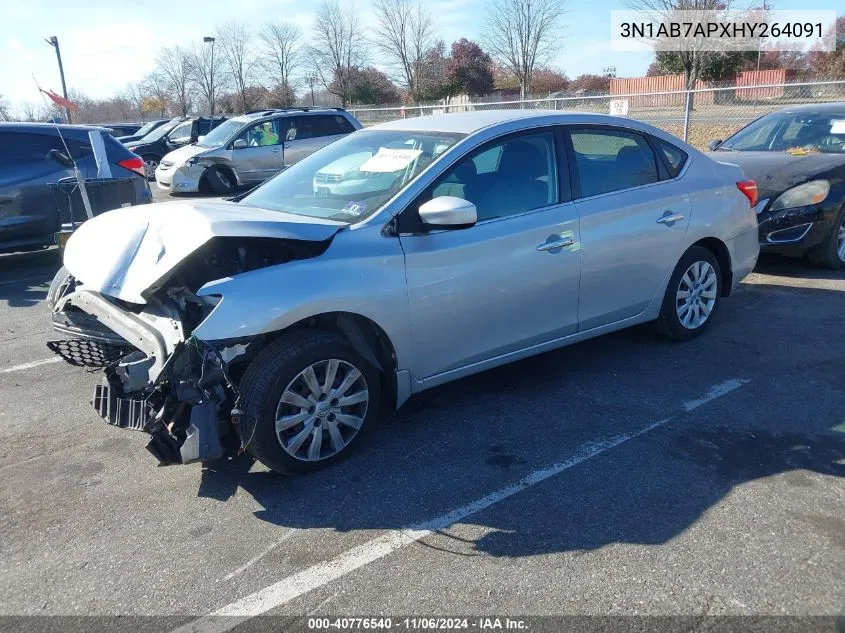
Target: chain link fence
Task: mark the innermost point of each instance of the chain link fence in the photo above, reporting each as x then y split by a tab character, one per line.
697	116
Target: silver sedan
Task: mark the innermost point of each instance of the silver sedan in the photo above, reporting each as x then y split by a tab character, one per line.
396	259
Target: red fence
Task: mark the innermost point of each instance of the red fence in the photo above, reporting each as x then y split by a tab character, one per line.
762	77
663	83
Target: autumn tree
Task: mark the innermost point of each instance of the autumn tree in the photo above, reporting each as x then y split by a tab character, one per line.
371	86
469	69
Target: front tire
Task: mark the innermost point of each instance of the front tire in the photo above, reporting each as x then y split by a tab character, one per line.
831	252
692	296
220	181
306	400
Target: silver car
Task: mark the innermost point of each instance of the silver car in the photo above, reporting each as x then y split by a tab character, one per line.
291	315
249	149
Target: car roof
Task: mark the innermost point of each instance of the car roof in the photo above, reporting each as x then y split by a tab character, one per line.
470	122
49	127
270	113
822	108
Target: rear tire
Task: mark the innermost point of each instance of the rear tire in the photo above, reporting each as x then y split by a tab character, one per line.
831	252
220	181
295	426
692	296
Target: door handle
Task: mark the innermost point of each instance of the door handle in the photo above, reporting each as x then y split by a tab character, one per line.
670	218
559	243
276	151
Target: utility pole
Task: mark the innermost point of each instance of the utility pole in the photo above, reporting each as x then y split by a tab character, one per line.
208	39
54	42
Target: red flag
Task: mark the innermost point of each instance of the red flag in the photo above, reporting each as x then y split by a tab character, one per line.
60	101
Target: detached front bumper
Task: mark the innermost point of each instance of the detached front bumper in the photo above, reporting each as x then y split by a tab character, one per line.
156	380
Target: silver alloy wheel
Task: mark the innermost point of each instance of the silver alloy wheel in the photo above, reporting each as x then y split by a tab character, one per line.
696	295
150	166
321	410
840	244
224	179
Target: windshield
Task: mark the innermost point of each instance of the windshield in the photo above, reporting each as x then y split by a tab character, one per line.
161	131
146	129
221	134
791	131
352	178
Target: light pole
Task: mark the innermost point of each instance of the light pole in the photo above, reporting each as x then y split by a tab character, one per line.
208	39
54	42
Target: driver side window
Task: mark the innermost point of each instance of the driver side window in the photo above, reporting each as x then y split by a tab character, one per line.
261	134
181	133
505	177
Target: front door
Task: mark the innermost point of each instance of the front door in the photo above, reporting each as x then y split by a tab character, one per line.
262	157
632	222
511	280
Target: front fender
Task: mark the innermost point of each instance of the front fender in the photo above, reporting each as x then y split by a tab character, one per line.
362	272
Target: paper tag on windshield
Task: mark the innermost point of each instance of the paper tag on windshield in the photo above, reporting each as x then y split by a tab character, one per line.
837	126
389	160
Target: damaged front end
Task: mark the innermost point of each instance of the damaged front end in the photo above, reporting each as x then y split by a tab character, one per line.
137	324
160	379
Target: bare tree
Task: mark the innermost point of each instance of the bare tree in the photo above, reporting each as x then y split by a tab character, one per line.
158	93
338	48
236	45
208	75
404	33
5	114
174	64
282	53
524	34
690	56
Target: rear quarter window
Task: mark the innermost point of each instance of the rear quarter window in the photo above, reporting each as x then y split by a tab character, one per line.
674	157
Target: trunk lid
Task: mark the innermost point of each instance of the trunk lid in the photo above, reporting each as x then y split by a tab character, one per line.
124	252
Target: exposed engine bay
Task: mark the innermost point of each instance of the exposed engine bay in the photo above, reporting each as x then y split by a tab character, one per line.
158	377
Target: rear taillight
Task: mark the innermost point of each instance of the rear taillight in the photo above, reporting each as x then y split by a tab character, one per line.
749	188
136	164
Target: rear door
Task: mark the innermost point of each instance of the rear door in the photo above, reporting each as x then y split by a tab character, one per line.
308	133
29	207
634	217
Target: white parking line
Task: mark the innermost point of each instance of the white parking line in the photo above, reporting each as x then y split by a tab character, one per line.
716	391
283	591
35	363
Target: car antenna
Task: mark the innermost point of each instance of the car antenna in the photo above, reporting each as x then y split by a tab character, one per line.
79	179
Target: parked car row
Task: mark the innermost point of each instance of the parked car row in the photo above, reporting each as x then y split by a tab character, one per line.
249	149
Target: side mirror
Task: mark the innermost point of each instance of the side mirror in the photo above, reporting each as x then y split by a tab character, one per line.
449	212
60	157
712	145
200	137
240	144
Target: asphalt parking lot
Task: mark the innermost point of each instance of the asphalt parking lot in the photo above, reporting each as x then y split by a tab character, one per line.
624	475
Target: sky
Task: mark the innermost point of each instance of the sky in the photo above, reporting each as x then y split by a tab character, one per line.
107	44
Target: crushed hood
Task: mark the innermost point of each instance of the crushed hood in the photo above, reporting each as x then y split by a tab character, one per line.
179	156
775	172
124	252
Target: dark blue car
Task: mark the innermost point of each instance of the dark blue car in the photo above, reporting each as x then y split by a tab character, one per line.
38	191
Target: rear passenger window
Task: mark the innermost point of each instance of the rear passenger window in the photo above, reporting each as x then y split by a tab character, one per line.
322	125
674	157
27	148
611	160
